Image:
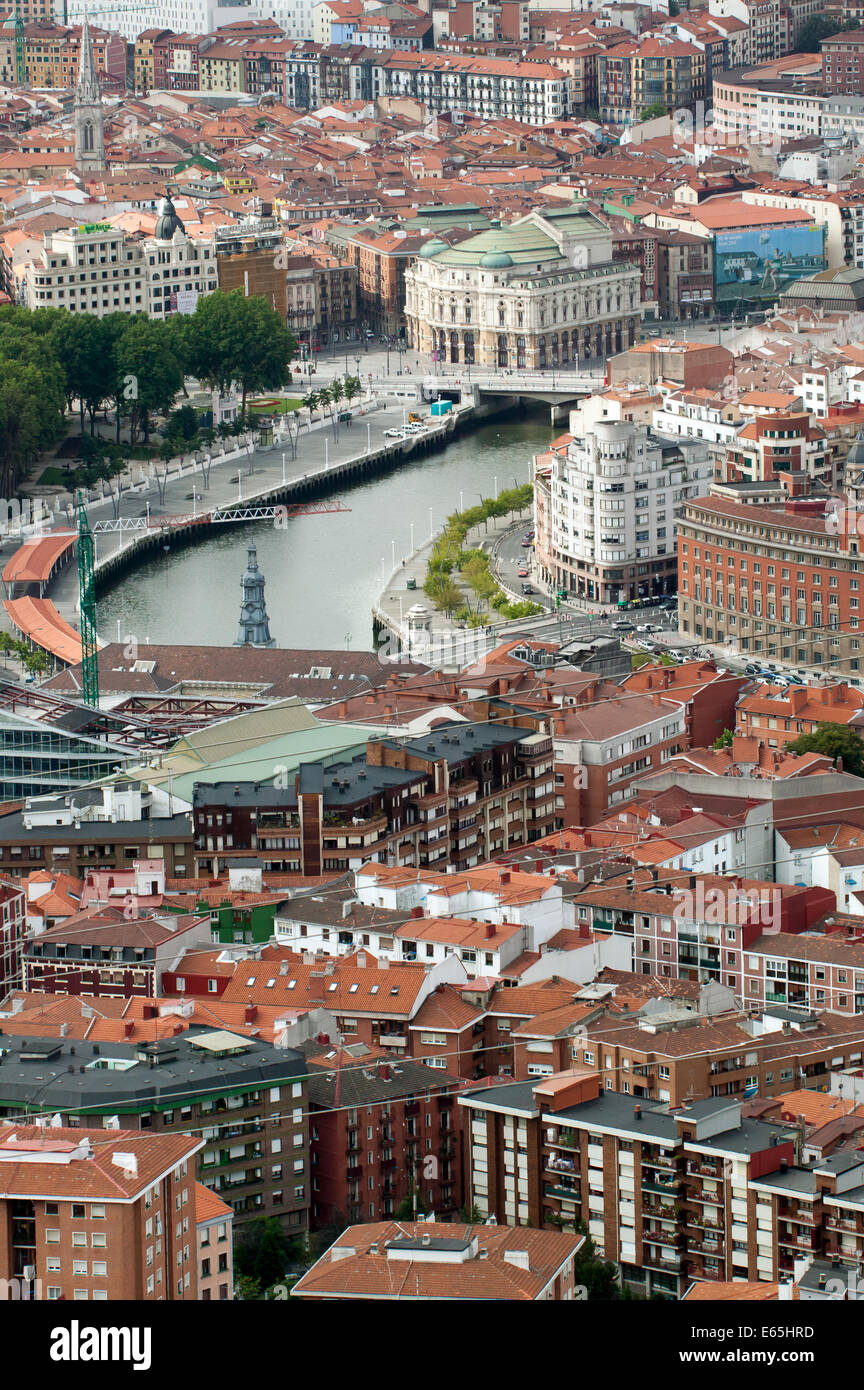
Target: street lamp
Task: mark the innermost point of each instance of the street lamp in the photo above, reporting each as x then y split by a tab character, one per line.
393	548
412	537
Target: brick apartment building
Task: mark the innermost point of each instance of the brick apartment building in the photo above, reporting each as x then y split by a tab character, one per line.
775	583
707	696
214	1224
700	927
458	795
778	446
380	1130
780	716
668	1195
406	1260
13	907
105	953
97	844
696	1192
246	1099
603	749
373	1002
94	1215
674	1055
843	63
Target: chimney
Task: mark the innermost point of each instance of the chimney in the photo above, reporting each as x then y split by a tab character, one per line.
249	1013
416	912
361	960
490	930
637	1112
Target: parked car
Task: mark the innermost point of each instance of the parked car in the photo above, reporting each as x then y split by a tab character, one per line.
393	434
752	668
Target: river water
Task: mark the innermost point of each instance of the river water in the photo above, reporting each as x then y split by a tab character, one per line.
323	573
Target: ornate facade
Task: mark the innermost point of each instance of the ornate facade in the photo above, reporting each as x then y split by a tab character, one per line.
538	293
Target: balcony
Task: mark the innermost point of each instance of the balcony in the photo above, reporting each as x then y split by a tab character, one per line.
563	1165
565	1194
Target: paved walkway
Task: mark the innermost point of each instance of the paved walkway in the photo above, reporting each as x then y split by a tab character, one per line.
231	480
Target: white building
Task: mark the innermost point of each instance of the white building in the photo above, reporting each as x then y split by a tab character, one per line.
183	16
99	269
608	507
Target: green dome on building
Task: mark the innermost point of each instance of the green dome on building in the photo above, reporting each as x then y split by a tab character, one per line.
432	248
496	260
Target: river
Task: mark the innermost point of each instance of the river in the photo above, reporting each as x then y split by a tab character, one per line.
323	573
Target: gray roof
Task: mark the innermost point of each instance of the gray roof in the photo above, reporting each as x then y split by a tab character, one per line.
48	1074
359	1085
179	827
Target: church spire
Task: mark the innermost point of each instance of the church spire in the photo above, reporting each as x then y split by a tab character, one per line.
254	629
89	117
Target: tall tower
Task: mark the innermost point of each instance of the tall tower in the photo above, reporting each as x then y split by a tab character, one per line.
89	117
254	629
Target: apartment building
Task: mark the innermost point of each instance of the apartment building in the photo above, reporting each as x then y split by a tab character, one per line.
413	1260
605	527
646	1180
708	696
104	952
80	844
601	751
489	87
815	972
787	446
372	1002
456	796
245	1098
674	1053
52	53
13	927
843	63
92	1215
700	926
779	716
379	1131
735	566
769	23
214	1222
654	71
830	855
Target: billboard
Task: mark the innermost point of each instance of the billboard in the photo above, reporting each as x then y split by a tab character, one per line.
756	265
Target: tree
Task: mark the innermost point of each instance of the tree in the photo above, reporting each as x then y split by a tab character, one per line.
311	402
264	1252
36	662
811	34
353	387
599	1277
148	374
657	108
7	644
32	398
835	741
231	338
724	741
